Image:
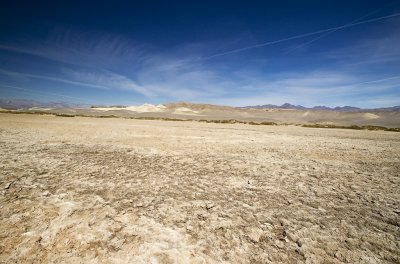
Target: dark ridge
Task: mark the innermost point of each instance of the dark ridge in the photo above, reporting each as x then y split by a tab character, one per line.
325	108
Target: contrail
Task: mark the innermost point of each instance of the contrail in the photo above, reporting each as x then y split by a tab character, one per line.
354	85
299	36
333	31
381	80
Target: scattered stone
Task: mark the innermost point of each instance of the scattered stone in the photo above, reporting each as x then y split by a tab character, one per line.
255	234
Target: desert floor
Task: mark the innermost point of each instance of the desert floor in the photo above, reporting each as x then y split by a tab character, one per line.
93	190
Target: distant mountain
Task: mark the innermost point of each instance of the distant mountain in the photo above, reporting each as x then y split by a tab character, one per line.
337	108
346	108
284	106
290	106
321	107
393	108
14	104
324	108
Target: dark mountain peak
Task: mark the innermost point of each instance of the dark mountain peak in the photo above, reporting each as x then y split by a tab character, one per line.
14	104
346	108
324	108
290	106
271	106
321	107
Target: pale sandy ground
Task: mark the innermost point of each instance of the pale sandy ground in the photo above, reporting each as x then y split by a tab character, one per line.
139	109
89	190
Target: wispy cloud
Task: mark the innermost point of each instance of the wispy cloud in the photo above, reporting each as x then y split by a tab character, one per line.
90	49
50	78
108	79
113	63
42	93
102	80
318	88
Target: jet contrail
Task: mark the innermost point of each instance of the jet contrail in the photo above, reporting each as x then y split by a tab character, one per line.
299	36
333	31
381	80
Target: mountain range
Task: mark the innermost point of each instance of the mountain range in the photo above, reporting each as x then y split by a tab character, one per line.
14	104
324	108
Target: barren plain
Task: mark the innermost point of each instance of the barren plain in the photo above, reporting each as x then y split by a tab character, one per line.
93	190
207	112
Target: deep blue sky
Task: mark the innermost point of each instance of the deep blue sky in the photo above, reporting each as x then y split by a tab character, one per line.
222	52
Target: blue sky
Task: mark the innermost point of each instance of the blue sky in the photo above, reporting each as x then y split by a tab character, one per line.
221	52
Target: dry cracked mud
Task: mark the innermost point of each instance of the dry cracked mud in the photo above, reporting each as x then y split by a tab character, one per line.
89	190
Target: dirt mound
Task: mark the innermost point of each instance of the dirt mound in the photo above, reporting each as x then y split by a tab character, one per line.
199	107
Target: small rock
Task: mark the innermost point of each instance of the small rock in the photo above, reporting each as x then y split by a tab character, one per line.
299	243
209	206
255	234
46	193
298	251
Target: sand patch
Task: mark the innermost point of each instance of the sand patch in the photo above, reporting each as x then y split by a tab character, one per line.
185	111
161	244
370	116
145	108
40	108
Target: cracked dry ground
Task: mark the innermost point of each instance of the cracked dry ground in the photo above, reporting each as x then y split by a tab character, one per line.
87	190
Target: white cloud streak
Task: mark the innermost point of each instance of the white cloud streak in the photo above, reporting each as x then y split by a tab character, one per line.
50	78
298	36
337	29
98	50
41	93
108	79
103	80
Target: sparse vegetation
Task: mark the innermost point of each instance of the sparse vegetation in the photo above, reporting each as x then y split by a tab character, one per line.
65	115
108	106
234	121
263	123
107	116
160	118
217	121
26	112
223	121
352	127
